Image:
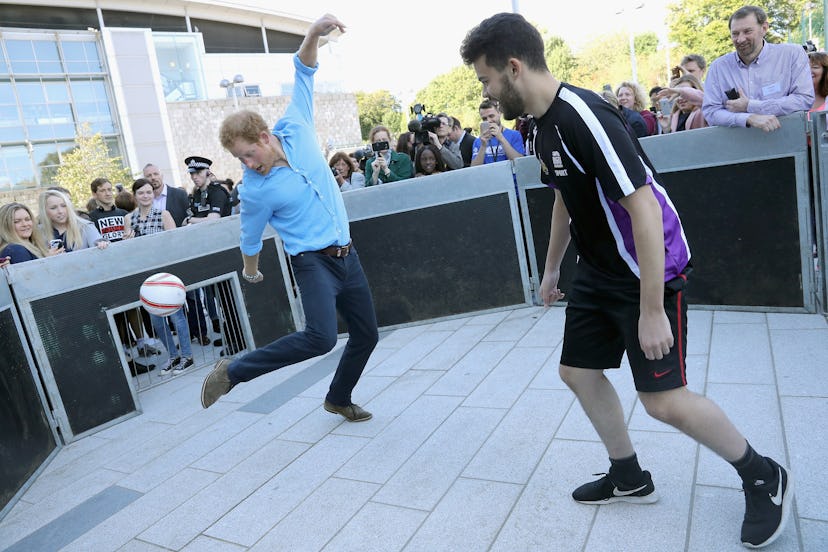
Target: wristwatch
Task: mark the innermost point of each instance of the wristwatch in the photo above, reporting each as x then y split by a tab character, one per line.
250	278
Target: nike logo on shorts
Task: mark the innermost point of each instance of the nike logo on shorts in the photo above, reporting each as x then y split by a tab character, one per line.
662	374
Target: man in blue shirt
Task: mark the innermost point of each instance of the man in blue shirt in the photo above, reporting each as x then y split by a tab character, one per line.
495	143
287	184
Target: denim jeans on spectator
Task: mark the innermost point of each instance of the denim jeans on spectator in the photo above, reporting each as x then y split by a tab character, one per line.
327	285
162	332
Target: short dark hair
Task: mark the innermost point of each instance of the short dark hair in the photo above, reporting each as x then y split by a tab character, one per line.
455	123
97	183
501	37
700	61
138	184
488	104
655	90
744	11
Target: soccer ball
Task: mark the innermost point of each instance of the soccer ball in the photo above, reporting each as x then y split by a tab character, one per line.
162	294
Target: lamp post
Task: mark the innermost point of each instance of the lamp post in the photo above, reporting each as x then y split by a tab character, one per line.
231	85
632	38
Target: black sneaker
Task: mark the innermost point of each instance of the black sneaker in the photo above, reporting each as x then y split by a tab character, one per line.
182	365
767	506
170	365
605	491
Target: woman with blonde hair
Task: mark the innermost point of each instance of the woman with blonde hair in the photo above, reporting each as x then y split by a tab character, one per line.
686	113
62	227
631	96
19	242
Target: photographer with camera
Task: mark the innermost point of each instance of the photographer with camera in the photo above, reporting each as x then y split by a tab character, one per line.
345	172
386	165
495	143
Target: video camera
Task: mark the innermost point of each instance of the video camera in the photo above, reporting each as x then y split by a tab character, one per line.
809	47
421	124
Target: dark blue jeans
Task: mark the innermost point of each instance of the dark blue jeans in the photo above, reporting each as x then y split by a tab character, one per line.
327	285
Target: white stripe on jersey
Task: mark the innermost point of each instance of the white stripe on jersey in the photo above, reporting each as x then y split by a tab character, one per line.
601	137
567	152
616	233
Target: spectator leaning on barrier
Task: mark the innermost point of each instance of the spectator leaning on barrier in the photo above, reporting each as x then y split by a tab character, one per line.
107	217
758	82
386	165
167	198
62	228
19	240
428	161
496	143
819	76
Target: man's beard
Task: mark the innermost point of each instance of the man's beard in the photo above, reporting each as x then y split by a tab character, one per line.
511	103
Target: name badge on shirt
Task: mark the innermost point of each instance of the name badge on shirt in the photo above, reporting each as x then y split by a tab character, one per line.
771	89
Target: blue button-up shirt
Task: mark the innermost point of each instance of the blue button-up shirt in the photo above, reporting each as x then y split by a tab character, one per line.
302	201
778	82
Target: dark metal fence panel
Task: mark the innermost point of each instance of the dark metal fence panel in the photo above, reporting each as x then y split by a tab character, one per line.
27	437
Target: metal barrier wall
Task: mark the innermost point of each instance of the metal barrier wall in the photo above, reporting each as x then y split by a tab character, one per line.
65	301
27	436
743	199
819	198
441	245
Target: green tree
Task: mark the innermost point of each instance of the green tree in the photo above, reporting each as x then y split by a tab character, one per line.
559	57
457	93
89	160
607	61
378	108
701	26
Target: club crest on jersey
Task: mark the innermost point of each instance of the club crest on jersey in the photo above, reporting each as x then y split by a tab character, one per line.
558	164
556	160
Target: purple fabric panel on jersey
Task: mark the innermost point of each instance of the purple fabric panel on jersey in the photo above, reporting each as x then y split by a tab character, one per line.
675	247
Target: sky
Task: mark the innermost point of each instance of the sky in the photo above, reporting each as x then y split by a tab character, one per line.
402	46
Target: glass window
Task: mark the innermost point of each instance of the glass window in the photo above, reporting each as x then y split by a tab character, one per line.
4	68
17	168
81	57
46	54
22	56
56	91
11	129
178	62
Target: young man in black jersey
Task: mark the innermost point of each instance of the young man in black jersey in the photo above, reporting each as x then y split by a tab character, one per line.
627	294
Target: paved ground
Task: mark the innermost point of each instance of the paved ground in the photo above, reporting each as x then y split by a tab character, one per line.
475	445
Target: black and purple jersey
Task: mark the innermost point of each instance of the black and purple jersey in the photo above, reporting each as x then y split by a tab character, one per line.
587	152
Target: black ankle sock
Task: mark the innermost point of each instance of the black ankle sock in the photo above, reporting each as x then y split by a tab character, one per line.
625	471
752	466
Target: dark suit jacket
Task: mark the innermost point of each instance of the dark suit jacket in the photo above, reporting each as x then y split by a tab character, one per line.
177	204
466	149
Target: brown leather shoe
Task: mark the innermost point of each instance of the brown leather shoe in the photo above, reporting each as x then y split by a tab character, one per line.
352	412
216	384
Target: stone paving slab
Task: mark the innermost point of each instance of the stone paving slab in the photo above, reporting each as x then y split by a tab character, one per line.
475	444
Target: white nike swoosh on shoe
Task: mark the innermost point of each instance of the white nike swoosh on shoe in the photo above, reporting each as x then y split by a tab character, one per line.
777	498
618	492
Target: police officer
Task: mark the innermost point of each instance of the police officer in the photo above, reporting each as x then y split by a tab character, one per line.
210	200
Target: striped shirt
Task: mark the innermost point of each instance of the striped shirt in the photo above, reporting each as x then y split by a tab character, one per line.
588	154
152	224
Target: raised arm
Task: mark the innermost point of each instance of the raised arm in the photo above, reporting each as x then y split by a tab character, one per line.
310	45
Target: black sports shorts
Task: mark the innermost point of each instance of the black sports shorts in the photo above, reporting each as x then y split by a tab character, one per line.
602	323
